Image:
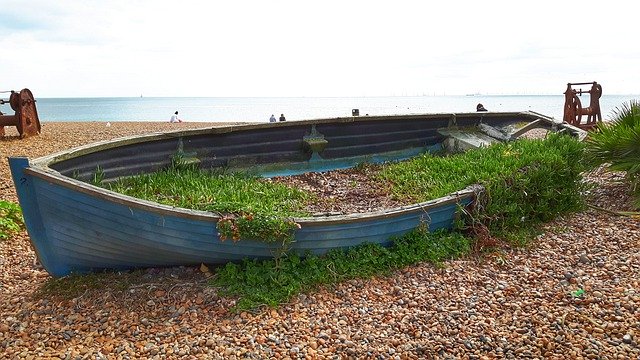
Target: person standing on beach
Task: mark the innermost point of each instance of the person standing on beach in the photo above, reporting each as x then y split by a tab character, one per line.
282	117
174	118
272	118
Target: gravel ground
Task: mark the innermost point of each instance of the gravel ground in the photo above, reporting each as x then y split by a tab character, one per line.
513	303
346	191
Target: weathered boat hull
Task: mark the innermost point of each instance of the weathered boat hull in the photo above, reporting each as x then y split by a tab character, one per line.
77	227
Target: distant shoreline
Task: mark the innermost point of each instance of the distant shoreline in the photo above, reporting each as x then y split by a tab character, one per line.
257	110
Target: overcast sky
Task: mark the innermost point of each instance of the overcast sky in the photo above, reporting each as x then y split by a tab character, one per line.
67	48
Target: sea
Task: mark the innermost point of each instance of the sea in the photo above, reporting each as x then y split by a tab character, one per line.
259	109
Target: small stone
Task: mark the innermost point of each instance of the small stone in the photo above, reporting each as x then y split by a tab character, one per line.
584	259
627	339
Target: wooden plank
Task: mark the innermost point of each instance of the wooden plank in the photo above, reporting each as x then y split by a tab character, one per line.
462	140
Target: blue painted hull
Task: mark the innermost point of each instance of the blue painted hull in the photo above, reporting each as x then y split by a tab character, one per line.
76	227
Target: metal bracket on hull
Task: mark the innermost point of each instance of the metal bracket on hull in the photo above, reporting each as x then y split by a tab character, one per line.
315	142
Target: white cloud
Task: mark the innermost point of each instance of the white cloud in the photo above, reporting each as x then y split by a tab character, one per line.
329	48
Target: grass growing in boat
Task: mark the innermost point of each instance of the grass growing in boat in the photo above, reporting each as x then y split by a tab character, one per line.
527	182
271	282
253	209
10	219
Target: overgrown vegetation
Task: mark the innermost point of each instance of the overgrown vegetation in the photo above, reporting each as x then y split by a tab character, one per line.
617	143
272	282
10	219
526	182
249	207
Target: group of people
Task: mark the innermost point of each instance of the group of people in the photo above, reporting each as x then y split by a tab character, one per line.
176	119
273	118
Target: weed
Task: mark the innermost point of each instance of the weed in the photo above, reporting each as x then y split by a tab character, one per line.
10	219
250	208
98	177
527	182
271	282
74	285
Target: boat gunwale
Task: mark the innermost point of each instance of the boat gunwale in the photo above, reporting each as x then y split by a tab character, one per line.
135	139
40	167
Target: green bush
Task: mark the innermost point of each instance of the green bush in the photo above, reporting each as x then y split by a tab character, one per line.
546	184
271	282
527	181
10	219
617	143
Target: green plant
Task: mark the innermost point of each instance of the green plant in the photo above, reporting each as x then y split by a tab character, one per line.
617	143
547	185
271	282
10	219
248	206
98	177
526	182
75	285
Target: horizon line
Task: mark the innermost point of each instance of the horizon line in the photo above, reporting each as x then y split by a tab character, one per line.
319	96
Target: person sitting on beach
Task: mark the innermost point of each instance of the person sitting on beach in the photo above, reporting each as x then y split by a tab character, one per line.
272	118
480	107
282	117
174	118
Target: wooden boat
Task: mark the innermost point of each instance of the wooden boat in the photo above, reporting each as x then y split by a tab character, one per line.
77	227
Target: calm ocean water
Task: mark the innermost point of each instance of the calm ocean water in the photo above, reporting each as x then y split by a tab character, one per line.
294	108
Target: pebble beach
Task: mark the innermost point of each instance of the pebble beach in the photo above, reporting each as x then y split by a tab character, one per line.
573	294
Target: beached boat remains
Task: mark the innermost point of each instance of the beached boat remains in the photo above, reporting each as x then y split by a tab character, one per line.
78	227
